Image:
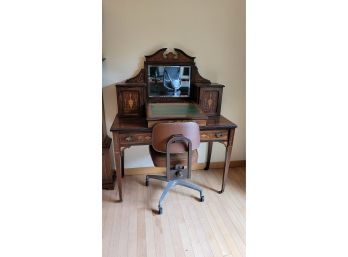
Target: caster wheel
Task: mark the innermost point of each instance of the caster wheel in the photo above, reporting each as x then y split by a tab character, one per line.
147	183
202	198
160	210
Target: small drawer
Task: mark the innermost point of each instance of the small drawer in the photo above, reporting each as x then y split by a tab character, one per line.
209	135
132	139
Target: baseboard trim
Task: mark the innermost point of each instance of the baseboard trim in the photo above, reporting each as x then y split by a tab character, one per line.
198	166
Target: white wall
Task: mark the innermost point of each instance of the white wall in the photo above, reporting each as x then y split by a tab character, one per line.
211	30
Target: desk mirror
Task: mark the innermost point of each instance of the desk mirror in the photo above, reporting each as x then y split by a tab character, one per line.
168	81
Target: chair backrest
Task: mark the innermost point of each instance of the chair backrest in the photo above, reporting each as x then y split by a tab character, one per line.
161	132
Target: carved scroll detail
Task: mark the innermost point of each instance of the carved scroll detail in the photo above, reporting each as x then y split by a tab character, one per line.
197	78
139	78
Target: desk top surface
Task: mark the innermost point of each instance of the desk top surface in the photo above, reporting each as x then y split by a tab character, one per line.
140	124
158	111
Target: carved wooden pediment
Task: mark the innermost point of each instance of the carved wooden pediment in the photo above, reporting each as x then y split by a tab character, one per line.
173	57
176	57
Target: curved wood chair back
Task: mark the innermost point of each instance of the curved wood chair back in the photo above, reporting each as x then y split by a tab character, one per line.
163	131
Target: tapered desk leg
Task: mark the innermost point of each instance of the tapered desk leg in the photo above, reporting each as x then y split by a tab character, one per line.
122	161
210	147
118	163
227	160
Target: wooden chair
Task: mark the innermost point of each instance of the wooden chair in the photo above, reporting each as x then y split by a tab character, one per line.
174	146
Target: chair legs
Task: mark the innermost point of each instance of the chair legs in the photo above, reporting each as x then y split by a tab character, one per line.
170	185
185	183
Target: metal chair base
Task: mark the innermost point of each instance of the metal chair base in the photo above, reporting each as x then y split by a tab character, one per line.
170	185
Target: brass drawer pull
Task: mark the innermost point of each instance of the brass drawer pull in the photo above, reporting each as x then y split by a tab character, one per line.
129	138
219	134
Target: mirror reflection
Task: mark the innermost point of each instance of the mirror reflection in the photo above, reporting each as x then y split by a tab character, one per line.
169	81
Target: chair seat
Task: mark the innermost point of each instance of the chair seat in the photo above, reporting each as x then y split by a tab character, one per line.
159	159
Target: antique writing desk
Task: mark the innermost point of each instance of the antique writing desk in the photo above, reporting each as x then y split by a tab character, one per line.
142	103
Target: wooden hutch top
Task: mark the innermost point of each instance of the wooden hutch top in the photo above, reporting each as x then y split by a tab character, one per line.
135	93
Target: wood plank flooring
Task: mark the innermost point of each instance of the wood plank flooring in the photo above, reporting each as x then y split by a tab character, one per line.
187	227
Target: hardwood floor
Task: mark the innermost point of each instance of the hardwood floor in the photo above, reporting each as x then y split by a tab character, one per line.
187	227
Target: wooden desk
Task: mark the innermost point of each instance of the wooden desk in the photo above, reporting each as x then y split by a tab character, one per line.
129	132
133	127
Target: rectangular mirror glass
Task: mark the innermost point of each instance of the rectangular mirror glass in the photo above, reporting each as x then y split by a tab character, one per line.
168	81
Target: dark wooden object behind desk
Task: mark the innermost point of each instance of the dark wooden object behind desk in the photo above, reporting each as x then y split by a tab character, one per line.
108	174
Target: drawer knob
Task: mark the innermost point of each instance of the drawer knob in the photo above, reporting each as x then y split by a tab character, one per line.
218	134
129	138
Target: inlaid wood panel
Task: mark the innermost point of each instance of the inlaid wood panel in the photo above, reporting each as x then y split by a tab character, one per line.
210	100
146	138
132	139
214	135
130	101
